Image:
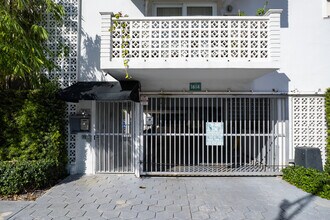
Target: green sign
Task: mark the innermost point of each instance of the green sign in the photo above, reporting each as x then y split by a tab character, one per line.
195	86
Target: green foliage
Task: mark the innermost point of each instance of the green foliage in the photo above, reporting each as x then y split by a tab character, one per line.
309	180
33	125
327	112
22	41
125	39
263	10
22	176
241	13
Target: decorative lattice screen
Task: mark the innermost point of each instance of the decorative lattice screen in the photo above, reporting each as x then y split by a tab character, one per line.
193	38
309	123
64	40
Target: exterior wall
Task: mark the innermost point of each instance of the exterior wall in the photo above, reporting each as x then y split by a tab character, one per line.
85	152
91	33
304	61
308	123
301	40
67	74
305	45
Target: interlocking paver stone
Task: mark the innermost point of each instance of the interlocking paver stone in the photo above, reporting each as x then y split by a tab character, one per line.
146	215
62	218
103	200
106	207
158	196
184	214
110	214
86	200
128	214
218	215
23	216
135	201
157	208
181	202
120	196
81	218
139	208
200	215
40	212
173	208
207	208
149	201
75	213
236	214
259	208
254	215
164	215
128	196
93	213
165	202
57	213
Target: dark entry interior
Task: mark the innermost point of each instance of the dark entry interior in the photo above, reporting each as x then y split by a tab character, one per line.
175	137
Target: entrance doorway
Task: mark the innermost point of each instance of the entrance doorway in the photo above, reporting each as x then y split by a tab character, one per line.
113	137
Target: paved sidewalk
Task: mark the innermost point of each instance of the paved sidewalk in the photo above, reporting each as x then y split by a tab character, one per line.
127	197
9	208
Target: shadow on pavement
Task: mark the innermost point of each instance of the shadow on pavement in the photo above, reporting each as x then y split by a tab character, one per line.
71	178
299	203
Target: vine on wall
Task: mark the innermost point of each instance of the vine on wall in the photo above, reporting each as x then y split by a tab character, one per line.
125	39
327	113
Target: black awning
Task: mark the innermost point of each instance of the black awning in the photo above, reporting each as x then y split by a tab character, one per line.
111	91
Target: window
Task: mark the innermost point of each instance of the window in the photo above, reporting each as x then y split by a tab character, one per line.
199	11
169	11
184	9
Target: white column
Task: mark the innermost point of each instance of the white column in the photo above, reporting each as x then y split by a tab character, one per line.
106	35
91	158
282	131
274	31
138	123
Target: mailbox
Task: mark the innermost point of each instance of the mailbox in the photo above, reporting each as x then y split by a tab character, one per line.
79	123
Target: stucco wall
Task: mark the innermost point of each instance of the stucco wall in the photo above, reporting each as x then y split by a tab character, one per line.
305	45
91	30
305	42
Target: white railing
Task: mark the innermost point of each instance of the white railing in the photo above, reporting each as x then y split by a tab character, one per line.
225	38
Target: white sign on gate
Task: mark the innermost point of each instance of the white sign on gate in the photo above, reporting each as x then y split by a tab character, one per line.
214	133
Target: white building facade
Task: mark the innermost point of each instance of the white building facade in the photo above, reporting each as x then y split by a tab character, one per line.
221	90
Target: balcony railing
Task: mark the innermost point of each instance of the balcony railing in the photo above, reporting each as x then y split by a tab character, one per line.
229	39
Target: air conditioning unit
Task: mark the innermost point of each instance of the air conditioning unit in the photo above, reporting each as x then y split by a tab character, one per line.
308	157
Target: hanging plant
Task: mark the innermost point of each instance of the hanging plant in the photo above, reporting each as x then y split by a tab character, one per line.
125	39
262	11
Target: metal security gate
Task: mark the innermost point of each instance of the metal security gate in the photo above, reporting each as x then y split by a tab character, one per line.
113	137
174	135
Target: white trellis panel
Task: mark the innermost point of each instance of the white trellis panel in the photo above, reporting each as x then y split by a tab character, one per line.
62	38
233	38
309	123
